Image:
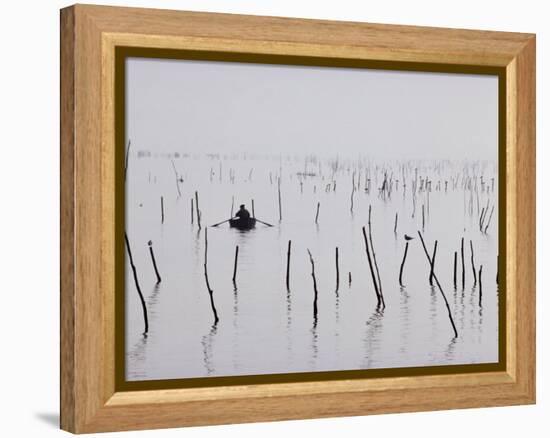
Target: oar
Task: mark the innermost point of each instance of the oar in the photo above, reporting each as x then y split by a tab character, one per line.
265	223
222	222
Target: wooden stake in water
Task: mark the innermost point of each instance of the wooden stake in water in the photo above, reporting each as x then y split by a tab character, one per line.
150	243
134	272
481	218
210	291
314	287
349	279
317	214
371	268
161	209
432	264
337	271
462	259
439	287
192	212
253	212
472	261
197	209
235	265
288	265
403	264
395	224
375	262
177	178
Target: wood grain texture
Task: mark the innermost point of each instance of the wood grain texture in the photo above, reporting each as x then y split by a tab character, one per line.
89	35
379	41
524	253
67	253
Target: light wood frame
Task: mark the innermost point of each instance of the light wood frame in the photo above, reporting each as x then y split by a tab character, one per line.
89	36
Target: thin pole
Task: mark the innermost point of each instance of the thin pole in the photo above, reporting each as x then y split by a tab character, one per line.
337	271
317	214
253	213
210	291
484	216
161	209
192	212
197	209
462	259
439	286
375	284
235	265
395	224
134	271
472	261
288	265
177	179
481	218
403	264
432	264
375	262
150	243
314	287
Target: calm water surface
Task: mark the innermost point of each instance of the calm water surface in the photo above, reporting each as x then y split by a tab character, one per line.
265	328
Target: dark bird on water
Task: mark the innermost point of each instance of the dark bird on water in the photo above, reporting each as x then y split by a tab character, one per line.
407	237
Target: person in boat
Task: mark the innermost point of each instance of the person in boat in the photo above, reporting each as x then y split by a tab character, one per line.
243	214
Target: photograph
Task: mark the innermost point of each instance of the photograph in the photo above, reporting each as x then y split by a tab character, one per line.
284	219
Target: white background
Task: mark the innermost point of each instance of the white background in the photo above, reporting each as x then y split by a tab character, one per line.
29	220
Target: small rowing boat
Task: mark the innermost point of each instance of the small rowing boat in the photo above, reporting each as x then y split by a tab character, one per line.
243	224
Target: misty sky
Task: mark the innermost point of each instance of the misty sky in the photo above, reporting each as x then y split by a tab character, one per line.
204	106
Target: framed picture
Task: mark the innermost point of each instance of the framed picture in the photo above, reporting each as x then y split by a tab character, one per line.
271	218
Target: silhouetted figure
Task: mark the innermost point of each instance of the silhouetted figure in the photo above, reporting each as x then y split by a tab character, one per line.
243	213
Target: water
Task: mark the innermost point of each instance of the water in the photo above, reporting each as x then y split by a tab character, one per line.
264	328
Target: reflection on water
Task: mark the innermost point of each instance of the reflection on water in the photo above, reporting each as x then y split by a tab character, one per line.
207	343
449	352
404	317
264	326
372	337
314	347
